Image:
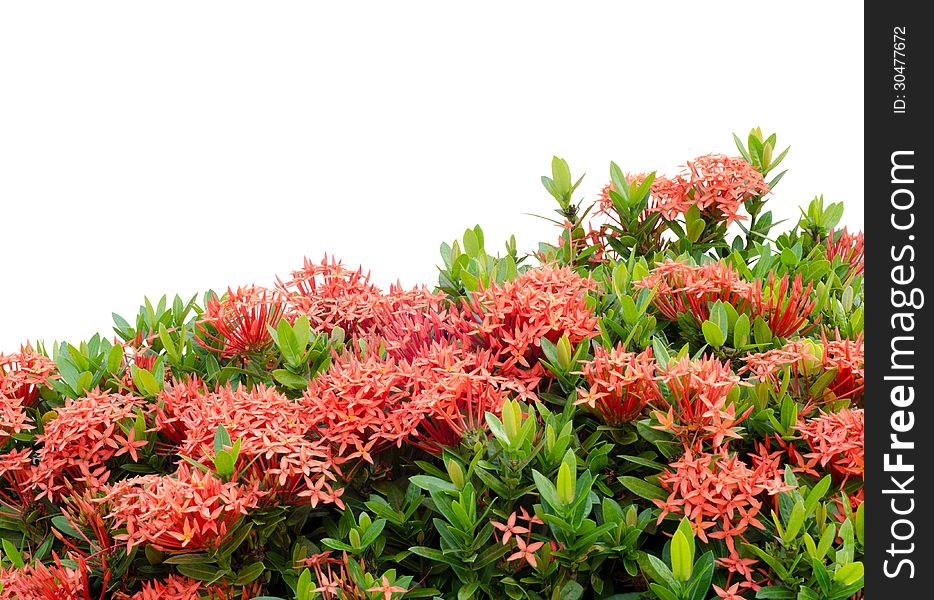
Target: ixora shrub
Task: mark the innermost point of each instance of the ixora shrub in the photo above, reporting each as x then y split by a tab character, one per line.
666	402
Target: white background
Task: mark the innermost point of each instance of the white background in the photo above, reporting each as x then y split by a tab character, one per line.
175	146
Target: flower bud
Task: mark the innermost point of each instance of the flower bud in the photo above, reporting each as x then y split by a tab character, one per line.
456	474
564	352
565	485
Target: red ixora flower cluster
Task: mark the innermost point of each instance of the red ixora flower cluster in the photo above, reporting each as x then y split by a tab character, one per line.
21	376
81	438
189	511
334	580
682	288
23	373
850	248
849	359
621	384
835	440
698	410
716	184
720	494
172	587
807	360
235	324
513	318
38	581
276	449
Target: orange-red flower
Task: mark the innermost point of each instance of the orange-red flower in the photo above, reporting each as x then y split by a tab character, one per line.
79	441
795	355
621	384
836	440
849	248
189	511
784	304
848	358
276	449
681	288
22	374
513	318
718	493
172	587
237	322
331	295
697	410
717	184
39	581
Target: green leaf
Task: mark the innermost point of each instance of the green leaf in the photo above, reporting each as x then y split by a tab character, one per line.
432	484
546	489
720	316
656	569
699	585
795	521
115	358
774	592
250	573
302	330
145	382
471	243
694	229
741	331
290	379
202	572
571	591
221	439
643	488
288	344
816	493
849	574
685	528
13	553
561	175
761	331
682	559
713	335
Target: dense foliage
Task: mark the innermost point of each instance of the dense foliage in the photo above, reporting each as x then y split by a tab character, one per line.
665	402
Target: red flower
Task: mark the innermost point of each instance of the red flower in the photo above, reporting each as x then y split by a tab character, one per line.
621	384
80	440
172	587
718	185
836	439
731	593
526	551
237	321
546	302
333	296
848	358
22	374
698	410
718	493
275	445
795	355
849	248
387	590
785	304
682	288
38	581
189	511
509	528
